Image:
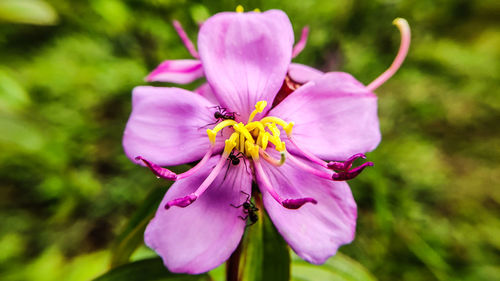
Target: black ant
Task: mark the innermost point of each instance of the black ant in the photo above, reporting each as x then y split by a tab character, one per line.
234	159
220	115
249	209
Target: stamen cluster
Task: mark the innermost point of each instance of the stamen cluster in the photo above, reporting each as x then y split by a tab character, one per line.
253	138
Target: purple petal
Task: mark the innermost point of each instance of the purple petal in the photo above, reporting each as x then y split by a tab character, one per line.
206	91
302	73
245	57
314	232
203	235
335	117
177	71
165	126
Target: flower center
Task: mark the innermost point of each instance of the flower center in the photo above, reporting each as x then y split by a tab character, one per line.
254	137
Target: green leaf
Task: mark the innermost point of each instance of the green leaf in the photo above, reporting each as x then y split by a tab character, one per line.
147	270
132	236
12	94
27	11
265	255
338	268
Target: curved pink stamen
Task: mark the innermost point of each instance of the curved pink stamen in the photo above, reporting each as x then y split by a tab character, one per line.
266	184
187	200
308	168
347	164
181	202
169	175
309	155
404	29
302	42
157	170
198	166
350	174
185	39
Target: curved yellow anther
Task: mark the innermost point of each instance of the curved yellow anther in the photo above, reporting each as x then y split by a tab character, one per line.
259	107
257	10
288	129
240	128
252	149
240	9
272	127
224	124
278	144
265	140
286	126
241	146
255	124
231	143
212	134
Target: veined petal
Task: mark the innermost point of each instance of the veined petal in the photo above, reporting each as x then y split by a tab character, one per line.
203	235
245	57
314	232
302	74
165	126
335	117
177	71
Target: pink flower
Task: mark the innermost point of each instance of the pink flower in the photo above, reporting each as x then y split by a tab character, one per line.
245	58
185	71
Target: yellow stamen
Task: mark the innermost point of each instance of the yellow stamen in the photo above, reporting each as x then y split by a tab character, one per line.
256	124
253	138
240	128
259	107
257	10
253	150
231	143
286	126
265	140
278	144
272	127
240	9
212	134
241	147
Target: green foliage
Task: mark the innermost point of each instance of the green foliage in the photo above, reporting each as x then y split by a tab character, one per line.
147	270
132	235
264	253
428	210
338	268
27	11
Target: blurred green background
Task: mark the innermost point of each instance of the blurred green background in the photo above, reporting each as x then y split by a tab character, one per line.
428	210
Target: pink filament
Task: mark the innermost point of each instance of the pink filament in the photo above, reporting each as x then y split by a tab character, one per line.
302	42
313	158
308	168
269	159
189	199
200	164
185	39
287	203
404	29
265	180
211	177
